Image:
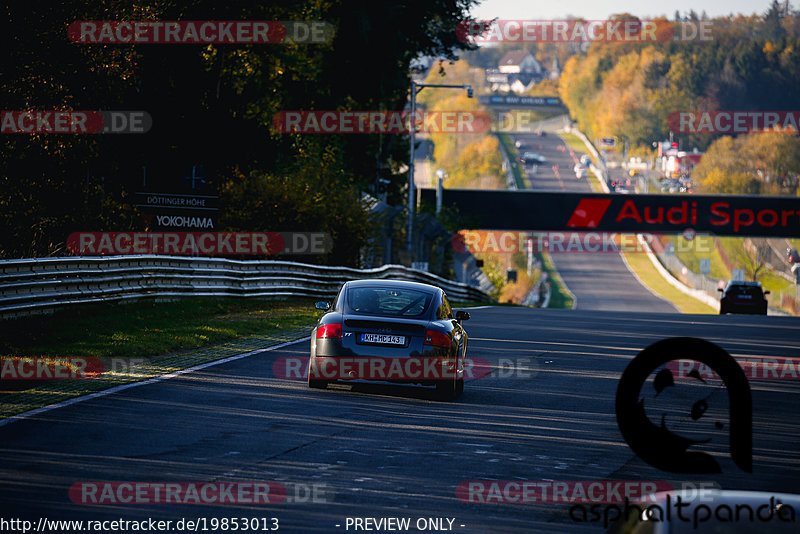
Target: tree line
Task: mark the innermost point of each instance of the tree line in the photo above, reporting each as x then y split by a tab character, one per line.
751	63
212	105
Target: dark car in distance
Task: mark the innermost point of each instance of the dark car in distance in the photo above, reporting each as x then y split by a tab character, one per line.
532	158
743	297
390	331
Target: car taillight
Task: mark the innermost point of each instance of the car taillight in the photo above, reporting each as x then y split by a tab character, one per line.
437	339
330	330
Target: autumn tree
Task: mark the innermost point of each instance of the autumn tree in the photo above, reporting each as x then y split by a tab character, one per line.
752	256
630	89
760	163
212	105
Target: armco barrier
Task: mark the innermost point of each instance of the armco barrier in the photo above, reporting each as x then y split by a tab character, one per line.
31	285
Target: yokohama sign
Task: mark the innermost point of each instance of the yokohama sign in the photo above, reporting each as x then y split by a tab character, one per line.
720	215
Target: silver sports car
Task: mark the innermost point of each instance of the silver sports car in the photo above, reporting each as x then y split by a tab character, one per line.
392	331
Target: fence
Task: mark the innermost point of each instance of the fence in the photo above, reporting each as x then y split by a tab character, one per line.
689	277
35	285
787	301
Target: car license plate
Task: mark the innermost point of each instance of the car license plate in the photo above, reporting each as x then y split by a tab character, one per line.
746	297
383	339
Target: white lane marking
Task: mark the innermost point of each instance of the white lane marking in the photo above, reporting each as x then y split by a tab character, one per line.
116	389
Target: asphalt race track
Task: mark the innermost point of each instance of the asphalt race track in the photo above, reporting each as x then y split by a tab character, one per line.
556	174
379	451
600	281
544	414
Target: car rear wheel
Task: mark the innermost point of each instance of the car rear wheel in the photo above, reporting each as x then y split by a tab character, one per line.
317	384
447	390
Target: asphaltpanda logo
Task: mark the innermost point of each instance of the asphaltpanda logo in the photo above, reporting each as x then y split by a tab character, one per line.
662	446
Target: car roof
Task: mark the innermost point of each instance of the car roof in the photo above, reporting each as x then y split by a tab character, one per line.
393	283
743	283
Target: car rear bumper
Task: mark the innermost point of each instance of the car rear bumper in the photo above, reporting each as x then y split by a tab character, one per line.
426	370
748	308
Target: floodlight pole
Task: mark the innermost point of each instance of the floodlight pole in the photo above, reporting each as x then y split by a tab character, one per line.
412	197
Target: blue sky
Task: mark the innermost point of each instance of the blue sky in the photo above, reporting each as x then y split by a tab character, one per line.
599	9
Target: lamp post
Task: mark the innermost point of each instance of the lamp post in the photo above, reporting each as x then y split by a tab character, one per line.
440	175
416	88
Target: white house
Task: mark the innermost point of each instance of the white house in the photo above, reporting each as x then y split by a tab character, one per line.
519	62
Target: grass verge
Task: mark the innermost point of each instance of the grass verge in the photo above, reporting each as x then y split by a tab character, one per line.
770	280
163	337
647	273
147	328
511	150
576	144
573	141
701	247
559	296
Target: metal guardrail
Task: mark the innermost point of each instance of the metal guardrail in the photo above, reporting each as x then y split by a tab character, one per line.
34	285
511	181
709	285
694	280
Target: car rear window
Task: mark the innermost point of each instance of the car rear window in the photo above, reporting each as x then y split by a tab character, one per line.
745	290
397	302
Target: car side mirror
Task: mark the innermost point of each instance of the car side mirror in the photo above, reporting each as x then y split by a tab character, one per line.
462	316
322	305
720	289
766	292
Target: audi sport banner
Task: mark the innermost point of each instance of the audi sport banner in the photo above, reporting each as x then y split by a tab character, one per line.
730	215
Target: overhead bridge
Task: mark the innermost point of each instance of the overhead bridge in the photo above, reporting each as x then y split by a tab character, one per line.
722	215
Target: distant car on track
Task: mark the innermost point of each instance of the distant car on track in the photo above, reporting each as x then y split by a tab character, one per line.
390	324
743	297
533	158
